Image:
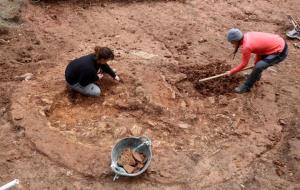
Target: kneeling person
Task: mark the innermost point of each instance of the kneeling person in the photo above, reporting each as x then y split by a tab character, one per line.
82	73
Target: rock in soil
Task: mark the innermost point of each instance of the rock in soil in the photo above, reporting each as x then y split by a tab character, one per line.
136	130
282	122
26	77
279	172
184	125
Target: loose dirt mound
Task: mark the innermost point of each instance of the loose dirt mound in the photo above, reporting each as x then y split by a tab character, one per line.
219	86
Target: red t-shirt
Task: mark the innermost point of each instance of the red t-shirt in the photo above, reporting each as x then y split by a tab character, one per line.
258	43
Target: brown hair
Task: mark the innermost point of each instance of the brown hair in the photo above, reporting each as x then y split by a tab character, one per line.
103	53
236	49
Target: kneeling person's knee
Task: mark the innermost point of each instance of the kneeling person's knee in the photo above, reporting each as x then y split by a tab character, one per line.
93	90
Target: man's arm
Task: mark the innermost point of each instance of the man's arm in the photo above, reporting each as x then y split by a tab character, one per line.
244	63
107	69
257	58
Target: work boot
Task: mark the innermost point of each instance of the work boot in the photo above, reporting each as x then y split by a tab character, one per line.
242	89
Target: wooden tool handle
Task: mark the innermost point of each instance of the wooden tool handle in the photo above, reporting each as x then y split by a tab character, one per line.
221	75
213	77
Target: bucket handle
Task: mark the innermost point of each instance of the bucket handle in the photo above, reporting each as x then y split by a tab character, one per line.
145	141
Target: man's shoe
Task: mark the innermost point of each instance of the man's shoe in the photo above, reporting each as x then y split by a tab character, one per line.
242	89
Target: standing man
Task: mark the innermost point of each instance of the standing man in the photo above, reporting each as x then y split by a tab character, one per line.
270	49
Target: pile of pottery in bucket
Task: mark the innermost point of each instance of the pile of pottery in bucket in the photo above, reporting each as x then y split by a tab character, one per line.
131	161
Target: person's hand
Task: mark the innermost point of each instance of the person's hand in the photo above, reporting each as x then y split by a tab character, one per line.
228	73
100	75
117	78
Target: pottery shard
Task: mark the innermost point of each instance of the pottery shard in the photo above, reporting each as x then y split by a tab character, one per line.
138	156
138	167
128	168
126	158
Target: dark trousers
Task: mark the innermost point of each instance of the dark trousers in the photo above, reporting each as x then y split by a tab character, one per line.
267	61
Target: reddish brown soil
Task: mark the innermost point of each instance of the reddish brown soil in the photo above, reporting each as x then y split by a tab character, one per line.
219	86
205	138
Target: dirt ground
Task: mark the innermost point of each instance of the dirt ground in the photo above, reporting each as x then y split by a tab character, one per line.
204	136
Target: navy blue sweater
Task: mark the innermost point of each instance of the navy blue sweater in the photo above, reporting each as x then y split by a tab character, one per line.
84	70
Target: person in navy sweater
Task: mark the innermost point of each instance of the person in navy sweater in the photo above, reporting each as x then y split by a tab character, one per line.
82	73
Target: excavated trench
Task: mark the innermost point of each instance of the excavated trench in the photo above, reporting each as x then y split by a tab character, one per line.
214	87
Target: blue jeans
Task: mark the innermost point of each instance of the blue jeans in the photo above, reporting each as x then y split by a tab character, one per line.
267	61
89	90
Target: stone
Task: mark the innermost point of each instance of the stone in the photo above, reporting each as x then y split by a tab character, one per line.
183	104
223	100
26	77
177	78
42	113
278	163
21	132
18	117
88	134
69	173
2	41
102	125
151	123
136	130
47	101
282	122
211	100
279	172
191	117
109	102
297	45
202	40
2	111
184	125
119	132
173	96
44	110
139	91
